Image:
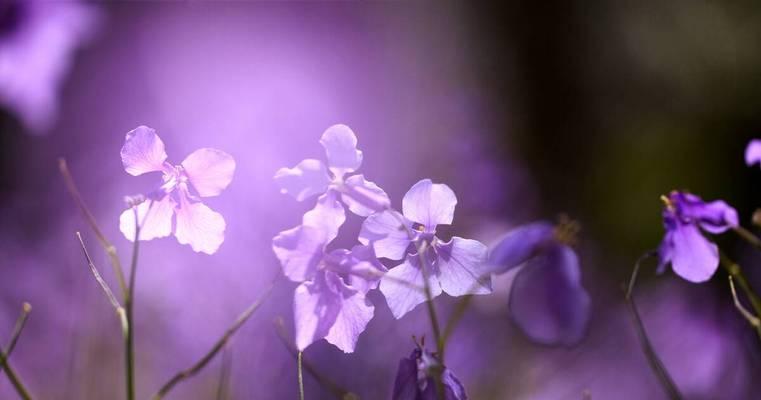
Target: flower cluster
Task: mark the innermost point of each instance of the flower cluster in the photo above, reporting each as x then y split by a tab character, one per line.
416	378
331	301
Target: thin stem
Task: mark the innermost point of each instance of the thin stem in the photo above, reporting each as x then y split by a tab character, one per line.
5	363
224	373
106	289
325	382
104	242
652	356
129	301
421	248
736	273
219	345
301	376
752	319
748	236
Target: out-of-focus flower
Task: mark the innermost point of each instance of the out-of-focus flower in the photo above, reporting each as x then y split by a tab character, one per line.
37	39
415	379
547	300
311	177
330	302
692	256
207	171
753	152
455	267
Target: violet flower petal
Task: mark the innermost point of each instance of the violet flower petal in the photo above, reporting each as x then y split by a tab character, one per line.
364	197
714	217
429	204
315	310
199	226
403	297
518	245
209	170
355	312
694	258
384	232
155	224
340	145
406	381
300	250
306	179
461	266
753	152
143	151
327	215
547	300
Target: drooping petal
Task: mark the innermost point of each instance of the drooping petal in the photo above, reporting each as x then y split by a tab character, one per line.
143	151
366	271
315	310
429	204
306	179
403	286
209	170
327	215
753	152
715	217
364	197
547	300
354	314
462	267
340	145
300	250
518	245
199	226
406	381
155	218
693	257
386	234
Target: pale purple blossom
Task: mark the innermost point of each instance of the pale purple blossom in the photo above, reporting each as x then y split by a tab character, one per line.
415	379
37	42
753	152
692	256
205	172
547	300
455	267
330	301
312	177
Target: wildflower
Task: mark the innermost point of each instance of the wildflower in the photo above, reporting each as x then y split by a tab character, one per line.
330	301
415	379
204	173
547	300
37	39
753	152
311	177
455	267
691	255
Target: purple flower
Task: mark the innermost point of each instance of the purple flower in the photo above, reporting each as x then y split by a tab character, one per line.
206	171
330	302
415	379
691	255
753	152
311	177
547	300
37	39
455	267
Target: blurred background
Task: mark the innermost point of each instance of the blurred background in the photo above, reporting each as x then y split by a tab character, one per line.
527	110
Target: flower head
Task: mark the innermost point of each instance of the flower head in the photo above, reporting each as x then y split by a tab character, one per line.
415	379
330	302
37	39
547	300
312	177
204	173
691	255
753	152
455	267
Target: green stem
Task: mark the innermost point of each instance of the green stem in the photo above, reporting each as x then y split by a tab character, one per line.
301	377
656	365
4	355
735	271
748	236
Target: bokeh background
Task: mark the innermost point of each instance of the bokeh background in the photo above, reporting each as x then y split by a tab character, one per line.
527	110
